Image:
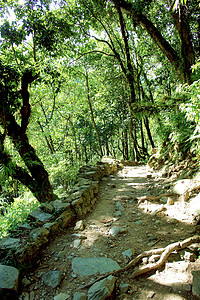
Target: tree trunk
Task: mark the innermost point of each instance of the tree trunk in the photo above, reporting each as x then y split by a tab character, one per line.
126	144
146	123
38	180
92	116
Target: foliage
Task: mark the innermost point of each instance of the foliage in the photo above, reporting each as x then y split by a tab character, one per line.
59	42
23	206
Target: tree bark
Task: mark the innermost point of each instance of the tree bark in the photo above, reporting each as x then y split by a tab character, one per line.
146	123
36	178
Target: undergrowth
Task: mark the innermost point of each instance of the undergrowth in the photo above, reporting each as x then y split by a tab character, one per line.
16	213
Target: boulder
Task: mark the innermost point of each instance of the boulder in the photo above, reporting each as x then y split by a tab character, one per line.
93	265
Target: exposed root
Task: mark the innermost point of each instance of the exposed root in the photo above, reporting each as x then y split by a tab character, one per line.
163	252
154	198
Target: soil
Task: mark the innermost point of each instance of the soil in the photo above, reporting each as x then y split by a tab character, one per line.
149	225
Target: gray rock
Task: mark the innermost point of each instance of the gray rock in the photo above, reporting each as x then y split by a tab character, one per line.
52	278
150	294
62	296
118	213
9	243
38	233
127	254
40	216
52	227
116	230
9	277
76	243
119	206
94	265
196	283
25	226
80	236
79	225
102	289
47	207
79	296
124	287
59	205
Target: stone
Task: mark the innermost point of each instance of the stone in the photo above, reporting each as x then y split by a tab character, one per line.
119	206
9	278
59	205
61	296
102	289
196	284
124	287
65	218
116	230
47	207
76	243
25	282
94	265
79	236
52	278
150	294
79	296
40	215
52	227
9	243
127	254
39	233
25	226
79	226
118	213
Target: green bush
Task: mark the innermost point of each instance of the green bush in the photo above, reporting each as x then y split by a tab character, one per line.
17	213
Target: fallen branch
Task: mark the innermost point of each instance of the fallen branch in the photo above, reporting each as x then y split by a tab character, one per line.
165	253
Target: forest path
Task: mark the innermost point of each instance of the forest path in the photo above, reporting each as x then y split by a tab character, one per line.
149	225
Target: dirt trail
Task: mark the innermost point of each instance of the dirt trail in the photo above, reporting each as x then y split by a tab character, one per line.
146	226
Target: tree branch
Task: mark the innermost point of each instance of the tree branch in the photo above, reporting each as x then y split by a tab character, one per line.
156	35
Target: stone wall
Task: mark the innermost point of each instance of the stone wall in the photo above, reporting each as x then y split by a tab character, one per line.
45	221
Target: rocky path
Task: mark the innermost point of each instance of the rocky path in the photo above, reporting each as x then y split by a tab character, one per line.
116	231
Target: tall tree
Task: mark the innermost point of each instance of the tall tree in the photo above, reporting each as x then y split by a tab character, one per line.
181	60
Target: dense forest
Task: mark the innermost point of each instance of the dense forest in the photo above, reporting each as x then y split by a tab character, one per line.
80	80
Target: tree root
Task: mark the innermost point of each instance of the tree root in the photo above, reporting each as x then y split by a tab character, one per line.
154	198
164	254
